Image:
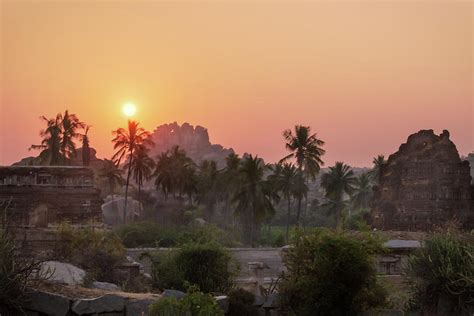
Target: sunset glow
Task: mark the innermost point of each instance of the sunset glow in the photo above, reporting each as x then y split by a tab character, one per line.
362	74
129	109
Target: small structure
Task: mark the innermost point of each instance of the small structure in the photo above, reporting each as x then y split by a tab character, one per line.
424	185
45	196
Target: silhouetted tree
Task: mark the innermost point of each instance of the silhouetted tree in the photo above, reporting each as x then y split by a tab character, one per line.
86	150
207	186
142	167
126	141
362	192
51	143
111	174
254	196
378	162
70	125
339	180
307	150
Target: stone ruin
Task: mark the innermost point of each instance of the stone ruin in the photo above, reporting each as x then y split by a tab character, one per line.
423	186
45	196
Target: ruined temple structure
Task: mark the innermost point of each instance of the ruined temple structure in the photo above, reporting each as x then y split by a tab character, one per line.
45	196
423	186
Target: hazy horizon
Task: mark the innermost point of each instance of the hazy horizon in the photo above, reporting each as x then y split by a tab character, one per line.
363	75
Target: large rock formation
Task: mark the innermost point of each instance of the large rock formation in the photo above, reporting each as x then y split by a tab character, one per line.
423	185
194	140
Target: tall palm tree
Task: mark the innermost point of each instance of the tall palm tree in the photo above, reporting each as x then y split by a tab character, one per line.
126	141
142	167
362	192
378	162
337	182
164	174
254	196
51	143
229	182
306	149
70	125
291	184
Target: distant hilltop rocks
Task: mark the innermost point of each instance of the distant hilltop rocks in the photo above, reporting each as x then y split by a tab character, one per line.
194	140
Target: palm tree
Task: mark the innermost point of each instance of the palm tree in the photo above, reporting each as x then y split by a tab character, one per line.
362	192
142	167
339	180
51	144
254	196
288	181
70	124
229	182
208	185
111	174
306	149
378	162
86	150
164	175
126	141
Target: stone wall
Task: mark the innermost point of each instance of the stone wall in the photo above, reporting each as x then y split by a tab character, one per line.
424	185
35	196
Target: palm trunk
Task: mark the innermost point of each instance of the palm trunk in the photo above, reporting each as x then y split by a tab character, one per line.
299	211
288	219
126	186
139	199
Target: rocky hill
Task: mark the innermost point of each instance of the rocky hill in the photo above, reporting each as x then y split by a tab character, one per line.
194	140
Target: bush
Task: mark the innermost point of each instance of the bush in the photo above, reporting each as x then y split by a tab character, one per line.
206	265
330	274
442	272
194	303
241	303
98	252
149	234
16	275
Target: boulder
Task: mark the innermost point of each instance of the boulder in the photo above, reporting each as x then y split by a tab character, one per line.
223	302
47	303
105	286
138	307
64	273
173	293
103	304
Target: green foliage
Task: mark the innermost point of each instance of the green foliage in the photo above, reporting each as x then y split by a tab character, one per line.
358	221
241	303
272	236
16	274
96	251
149	234
194	303
208	266
443	270
331	274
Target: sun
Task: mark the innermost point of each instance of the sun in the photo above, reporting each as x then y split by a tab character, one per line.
129	109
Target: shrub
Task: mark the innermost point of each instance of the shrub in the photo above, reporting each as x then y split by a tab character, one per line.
98	252
442	272
194	303
16	275
149	234
206	265
330	274
241	303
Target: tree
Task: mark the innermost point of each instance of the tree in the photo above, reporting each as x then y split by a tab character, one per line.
229	182
339	180
207	186
362	192
375	173
70	125
111	174
126	141
254	196
307	150
175	173
51	144
287	180
142	167
58	146
86	150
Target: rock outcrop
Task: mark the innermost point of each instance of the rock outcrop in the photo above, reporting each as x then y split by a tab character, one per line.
194	140
424	185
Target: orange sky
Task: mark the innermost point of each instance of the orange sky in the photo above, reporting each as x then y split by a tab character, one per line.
363	74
